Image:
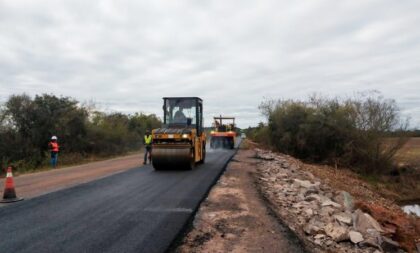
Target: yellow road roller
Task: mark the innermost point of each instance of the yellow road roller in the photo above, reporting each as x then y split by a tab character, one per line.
181	142
224	133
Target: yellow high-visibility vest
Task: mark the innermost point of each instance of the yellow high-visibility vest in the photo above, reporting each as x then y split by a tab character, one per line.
148	139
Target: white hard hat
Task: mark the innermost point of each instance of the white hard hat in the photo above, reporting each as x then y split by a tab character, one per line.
54	138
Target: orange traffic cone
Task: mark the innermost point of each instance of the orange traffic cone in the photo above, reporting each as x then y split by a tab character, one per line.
9	189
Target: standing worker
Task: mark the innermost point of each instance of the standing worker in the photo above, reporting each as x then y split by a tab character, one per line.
54	148
148	145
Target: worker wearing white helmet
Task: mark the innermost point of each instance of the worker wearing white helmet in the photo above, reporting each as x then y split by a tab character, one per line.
54	149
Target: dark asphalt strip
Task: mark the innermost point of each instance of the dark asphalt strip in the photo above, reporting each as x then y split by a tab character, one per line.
139	210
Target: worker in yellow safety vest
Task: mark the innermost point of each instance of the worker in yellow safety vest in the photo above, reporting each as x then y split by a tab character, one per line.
148	147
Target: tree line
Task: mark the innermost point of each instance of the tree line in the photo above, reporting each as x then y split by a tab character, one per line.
364	132
27	124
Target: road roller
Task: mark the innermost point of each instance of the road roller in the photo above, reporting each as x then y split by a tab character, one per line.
181	142
224	133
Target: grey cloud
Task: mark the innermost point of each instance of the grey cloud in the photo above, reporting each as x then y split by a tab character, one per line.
126	55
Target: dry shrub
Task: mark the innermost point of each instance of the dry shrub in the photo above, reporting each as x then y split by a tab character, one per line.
347	132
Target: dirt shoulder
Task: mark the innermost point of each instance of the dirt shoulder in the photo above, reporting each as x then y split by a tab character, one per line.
271	202
234	217
38	183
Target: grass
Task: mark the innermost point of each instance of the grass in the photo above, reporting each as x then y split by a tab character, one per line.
410	153
403	186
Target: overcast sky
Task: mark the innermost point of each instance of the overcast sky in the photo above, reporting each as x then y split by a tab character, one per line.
126	55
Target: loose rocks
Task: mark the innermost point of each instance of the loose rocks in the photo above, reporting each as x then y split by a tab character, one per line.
355	237
324	216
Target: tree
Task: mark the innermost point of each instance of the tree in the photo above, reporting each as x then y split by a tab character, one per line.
26	126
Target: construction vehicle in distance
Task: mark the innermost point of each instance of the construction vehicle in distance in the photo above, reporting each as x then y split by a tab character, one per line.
224	133
181	142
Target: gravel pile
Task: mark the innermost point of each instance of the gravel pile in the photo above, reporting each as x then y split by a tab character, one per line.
326	219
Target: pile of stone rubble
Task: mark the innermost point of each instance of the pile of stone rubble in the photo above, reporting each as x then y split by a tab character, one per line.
324	218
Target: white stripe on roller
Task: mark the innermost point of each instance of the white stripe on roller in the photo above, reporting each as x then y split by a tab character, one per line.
9	174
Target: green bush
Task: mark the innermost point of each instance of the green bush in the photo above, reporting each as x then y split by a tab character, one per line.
348	132
259	134
26	126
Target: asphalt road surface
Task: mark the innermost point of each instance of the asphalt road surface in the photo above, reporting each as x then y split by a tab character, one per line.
139	210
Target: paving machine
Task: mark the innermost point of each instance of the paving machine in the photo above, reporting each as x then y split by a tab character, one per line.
224	133
181	142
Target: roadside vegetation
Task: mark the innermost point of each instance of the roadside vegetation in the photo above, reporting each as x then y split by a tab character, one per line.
27	124
364	133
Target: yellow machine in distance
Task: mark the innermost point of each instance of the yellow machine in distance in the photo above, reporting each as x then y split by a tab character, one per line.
224	133
181	142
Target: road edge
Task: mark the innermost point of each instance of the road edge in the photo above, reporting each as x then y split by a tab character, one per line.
288	231
188	225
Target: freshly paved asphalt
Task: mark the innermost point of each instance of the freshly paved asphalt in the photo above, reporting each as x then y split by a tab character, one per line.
139	210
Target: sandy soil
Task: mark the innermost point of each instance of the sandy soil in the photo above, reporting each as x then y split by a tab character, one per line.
35	184
234	218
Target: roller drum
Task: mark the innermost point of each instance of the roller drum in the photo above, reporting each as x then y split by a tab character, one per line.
222	142
172	157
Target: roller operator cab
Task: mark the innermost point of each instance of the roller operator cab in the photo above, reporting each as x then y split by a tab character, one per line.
181	142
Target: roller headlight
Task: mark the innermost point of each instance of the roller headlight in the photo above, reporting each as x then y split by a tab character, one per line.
185	136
